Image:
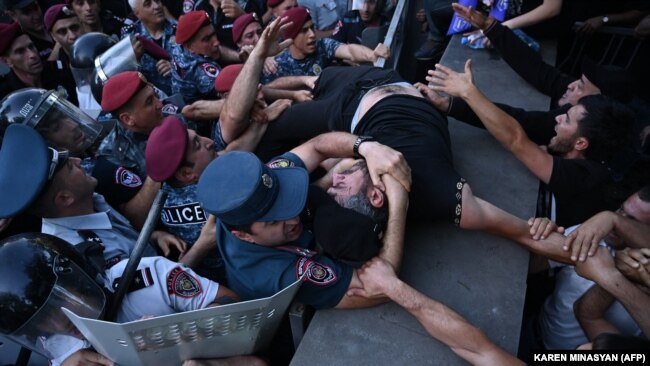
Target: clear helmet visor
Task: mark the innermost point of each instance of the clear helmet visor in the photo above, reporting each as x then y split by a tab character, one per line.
81	75
50	332
65	126
116	59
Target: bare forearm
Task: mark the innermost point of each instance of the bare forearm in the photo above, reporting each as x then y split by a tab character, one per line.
590	311
197	252
203	110
447	326
358	53
137	209
482	215
635	301
502	126
327	145
288	83
249	139
394	236
234	117
628	17
547	10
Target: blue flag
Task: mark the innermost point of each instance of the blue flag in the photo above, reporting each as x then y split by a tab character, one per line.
499	10
459	24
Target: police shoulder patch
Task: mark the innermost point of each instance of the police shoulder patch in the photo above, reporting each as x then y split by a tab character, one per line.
127	178
183	284
315	272
169	108
280	163
210	69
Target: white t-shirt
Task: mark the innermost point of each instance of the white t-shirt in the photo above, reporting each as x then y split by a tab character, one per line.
559	326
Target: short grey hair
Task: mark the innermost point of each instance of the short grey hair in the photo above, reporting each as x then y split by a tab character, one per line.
361	203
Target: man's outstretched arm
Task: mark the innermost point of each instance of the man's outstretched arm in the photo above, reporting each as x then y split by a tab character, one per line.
393	244
441	322
236	109
381	159
524	60
503	127
478	214
590	309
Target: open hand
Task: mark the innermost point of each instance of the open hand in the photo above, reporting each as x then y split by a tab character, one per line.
268	45
164	68
448	81
441	102
473	16
166	241
542	227
584	241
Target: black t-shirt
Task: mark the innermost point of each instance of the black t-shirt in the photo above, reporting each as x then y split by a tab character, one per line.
116	183
359	242
55	76
222	24
43	46
111	24
579	189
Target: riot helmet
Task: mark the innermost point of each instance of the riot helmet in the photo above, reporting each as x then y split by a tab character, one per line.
119	58
40	274
61	123
84	51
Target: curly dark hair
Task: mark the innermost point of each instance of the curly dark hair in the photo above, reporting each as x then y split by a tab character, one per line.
607	124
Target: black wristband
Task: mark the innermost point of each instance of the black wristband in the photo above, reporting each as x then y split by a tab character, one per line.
358	142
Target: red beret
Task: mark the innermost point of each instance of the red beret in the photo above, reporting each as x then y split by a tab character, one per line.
8	33
298	16
189	24
119	89
241	23
273	3
56	12
153	49
166	149
225	79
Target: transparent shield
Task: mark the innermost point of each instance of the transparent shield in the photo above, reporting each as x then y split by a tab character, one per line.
49	332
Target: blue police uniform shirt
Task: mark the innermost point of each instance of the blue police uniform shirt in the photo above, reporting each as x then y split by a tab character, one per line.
183	216
312	65
125	148
148	63
114	230
193	75
217	137
256	271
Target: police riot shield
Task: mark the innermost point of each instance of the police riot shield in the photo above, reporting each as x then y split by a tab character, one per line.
228	330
